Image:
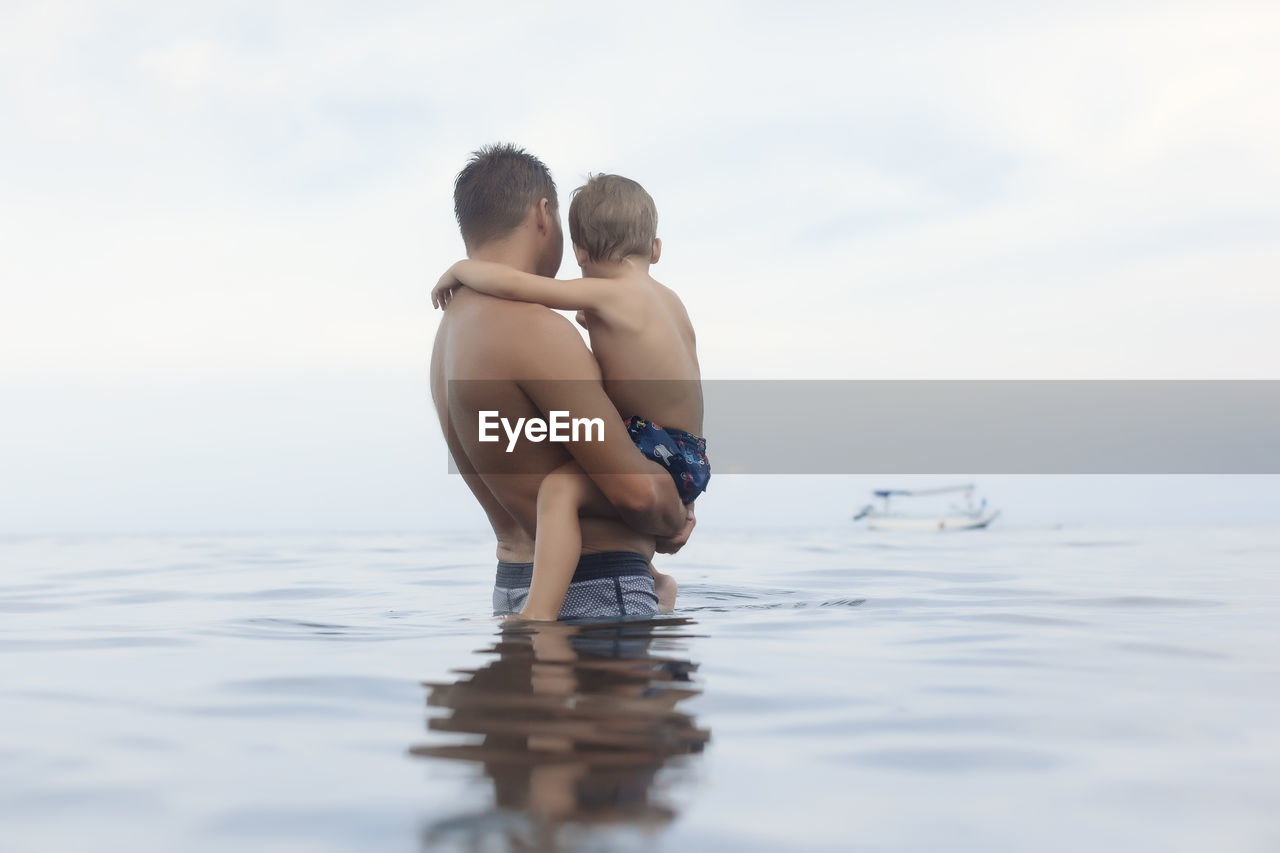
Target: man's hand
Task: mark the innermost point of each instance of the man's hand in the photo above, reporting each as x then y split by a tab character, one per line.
672	544
443	291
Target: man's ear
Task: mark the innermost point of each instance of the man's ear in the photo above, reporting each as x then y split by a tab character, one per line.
657	250
580	255
543	214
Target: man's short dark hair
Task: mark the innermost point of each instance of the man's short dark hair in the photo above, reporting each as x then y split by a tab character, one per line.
494	191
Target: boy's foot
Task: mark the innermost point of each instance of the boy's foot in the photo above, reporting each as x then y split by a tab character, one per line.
665	587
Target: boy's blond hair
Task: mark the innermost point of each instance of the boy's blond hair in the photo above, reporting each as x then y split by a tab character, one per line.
611	217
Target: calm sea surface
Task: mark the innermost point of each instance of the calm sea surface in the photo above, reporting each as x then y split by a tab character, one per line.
816	690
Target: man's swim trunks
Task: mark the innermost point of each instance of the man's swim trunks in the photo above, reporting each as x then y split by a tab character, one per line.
604	586
683	454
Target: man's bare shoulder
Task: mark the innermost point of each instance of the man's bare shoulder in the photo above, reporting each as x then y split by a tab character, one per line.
471	309
517	339
536	324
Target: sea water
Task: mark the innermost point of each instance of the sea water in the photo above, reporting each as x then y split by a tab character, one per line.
817	689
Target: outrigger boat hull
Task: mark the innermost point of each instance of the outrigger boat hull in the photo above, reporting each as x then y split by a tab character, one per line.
968	516
949	522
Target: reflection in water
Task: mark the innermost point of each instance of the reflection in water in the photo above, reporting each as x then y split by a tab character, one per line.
572	723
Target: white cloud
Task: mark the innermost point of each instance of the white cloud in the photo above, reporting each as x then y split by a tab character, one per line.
246	190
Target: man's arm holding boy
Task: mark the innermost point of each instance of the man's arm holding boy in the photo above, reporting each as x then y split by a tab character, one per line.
565	378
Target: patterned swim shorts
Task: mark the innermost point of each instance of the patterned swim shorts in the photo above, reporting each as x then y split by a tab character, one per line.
683	454
605	585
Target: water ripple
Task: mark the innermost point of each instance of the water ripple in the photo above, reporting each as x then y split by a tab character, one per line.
921	760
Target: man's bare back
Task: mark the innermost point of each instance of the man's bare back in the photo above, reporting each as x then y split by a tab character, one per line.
504	342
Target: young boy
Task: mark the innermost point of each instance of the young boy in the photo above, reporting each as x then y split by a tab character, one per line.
639	331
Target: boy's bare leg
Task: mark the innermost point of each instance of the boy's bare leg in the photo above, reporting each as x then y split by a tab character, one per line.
665	586
564	494
558	542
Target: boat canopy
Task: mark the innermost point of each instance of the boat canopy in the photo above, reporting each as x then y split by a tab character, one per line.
887	493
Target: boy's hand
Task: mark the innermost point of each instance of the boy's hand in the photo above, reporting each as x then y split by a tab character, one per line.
443	291
672	544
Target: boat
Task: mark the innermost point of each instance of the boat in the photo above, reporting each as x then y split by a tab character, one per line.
965	515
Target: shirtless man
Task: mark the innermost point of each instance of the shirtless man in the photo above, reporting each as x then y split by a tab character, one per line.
523	360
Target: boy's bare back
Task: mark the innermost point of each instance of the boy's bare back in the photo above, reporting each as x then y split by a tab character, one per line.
646	349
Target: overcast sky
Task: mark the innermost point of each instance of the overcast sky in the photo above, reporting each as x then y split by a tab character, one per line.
219	225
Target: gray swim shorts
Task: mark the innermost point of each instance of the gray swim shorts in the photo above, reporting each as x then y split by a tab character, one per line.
605	585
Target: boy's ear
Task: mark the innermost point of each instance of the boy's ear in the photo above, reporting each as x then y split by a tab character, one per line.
580	255
657	250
